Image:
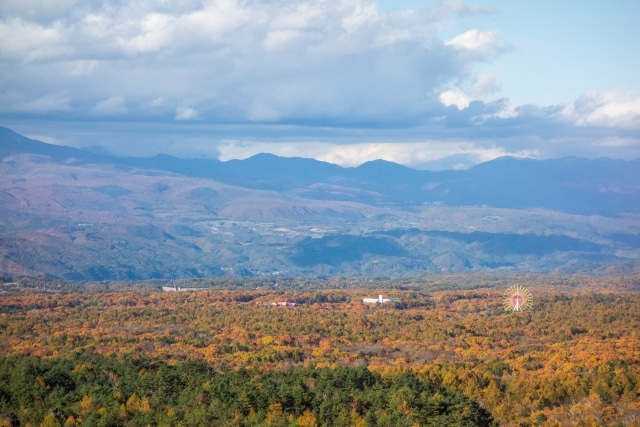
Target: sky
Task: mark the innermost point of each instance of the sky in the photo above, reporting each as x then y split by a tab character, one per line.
428	84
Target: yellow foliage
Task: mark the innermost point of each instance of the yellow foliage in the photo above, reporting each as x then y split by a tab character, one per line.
86	405
50	420
307	419
137	404
357	420
274	413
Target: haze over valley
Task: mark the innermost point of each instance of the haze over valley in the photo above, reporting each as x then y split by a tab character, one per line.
73	214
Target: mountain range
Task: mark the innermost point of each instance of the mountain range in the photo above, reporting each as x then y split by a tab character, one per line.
78	215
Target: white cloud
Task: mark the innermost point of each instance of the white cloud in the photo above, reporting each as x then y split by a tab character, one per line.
618	142
28	41
412	154
455	97
218	19
186	113
323	67
361	16
486	90
114	105
236	59
605	109
475	40
154	34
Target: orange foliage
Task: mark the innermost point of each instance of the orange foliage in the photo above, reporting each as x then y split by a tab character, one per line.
573	359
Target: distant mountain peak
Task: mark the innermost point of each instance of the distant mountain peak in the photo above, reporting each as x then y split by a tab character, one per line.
571	184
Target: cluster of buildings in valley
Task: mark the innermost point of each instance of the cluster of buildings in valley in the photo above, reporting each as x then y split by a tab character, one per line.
284	304
379	300
180	289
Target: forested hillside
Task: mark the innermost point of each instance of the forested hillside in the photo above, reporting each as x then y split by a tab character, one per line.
106	357
110	391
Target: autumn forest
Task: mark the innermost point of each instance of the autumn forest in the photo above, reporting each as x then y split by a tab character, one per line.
444	351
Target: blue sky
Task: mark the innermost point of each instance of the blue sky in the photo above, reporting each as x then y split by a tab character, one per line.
429	84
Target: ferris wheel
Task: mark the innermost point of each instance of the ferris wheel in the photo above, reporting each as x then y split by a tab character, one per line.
517	298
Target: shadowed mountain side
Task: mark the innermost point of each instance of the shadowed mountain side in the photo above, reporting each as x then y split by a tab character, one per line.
601	186
502	244
338	249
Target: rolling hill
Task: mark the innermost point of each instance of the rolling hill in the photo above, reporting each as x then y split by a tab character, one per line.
78	215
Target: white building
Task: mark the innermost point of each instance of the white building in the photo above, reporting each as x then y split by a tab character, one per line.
379	300
179	289
283	304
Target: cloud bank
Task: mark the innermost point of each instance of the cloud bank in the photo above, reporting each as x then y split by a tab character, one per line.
336	79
